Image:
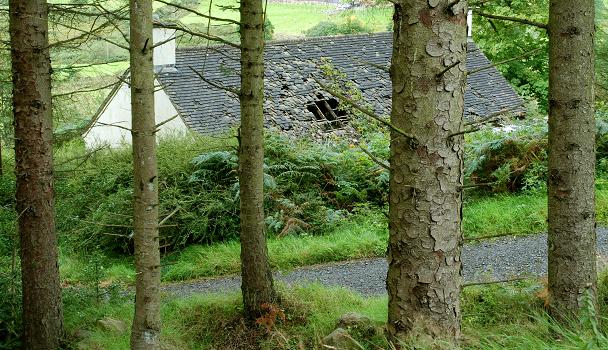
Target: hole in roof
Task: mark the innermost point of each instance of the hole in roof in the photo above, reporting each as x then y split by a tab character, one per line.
327	113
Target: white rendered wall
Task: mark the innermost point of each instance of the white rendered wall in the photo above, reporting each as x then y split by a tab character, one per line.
164	53
118	113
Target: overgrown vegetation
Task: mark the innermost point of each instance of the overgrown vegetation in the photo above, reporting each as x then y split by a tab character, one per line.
324	203
507	316
309	188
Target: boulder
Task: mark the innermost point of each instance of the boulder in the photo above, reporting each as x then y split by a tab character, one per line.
357	324
339	339
113	325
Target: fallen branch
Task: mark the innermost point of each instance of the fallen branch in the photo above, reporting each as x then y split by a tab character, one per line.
515	279
481	238
160	224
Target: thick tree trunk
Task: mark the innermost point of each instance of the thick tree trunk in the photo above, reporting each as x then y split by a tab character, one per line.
424	273
146	322
31	64
571	183
257	282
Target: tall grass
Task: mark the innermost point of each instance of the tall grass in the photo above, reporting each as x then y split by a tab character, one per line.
509	316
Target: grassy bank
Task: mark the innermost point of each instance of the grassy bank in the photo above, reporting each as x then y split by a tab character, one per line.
494	317
362	235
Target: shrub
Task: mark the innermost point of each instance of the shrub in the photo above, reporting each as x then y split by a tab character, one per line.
351	25
515	158
509	164
323	28
309	188
268	30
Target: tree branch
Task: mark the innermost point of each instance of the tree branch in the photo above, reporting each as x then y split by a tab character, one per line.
375	159
199	13
477	70
85	90
197	34
165	122
440	74
216	85
365	111
514	19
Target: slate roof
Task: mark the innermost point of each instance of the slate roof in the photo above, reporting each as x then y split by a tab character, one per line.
289	87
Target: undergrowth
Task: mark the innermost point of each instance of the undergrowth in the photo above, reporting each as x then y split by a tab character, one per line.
500	316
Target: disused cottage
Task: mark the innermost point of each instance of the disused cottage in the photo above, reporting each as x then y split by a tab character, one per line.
295	103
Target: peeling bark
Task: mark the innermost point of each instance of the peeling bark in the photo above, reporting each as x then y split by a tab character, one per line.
257	283
31	66
571	180
145	333
424	277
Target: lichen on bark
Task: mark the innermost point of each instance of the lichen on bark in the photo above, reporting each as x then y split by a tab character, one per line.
424	274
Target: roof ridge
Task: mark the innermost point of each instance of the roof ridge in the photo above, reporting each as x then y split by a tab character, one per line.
293	41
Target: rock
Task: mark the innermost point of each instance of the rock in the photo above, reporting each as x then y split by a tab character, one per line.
357	324
339	339
112	325
82	334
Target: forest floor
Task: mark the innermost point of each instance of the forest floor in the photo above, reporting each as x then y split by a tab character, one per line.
484	261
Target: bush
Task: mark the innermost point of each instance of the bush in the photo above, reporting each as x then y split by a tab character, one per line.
351	25
515	158
310	187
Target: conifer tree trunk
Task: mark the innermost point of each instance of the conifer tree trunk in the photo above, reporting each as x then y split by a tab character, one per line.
257	283
31	67
428	82
571	180
146	322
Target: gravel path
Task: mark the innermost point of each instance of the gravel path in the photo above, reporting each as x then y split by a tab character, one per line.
485	261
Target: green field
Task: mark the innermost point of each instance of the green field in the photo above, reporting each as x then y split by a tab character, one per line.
291	20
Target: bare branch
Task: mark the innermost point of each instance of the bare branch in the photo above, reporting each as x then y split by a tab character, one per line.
514	19
440	74
466	131
114	125
169	216
87	65
199	13
375	159
93	35
525	54
216	85
197	34
508	280
364	110
165	122
85	90
492	116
